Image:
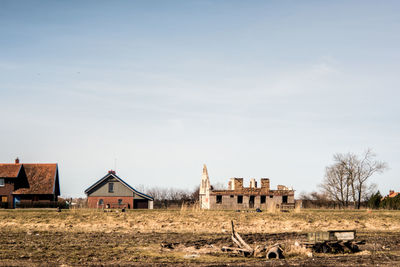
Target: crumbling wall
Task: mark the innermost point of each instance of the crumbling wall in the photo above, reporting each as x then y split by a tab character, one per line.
265	184
252	197
228	200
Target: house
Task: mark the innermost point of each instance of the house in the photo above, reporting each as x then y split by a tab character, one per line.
112	192
29	185
238	197
392	193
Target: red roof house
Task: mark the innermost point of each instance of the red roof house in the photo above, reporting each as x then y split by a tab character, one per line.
392	193
29	185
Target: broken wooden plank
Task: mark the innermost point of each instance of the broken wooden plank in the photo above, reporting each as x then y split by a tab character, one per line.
238	240
242	251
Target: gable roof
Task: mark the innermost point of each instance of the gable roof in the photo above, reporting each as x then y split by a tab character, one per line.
42	179
90	189
9	170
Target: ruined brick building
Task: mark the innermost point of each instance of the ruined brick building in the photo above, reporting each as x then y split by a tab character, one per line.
238	197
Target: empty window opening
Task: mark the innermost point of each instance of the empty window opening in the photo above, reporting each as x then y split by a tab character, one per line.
232	196
271	196
240	199
119	201
284	199
251	201
219	199
262	199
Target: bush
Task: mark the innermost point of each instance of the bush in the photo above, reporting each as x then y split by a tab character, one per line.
391	203
375	201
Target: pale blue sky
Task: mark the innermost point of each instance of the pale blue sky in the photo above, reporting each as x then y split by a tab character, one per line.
251	88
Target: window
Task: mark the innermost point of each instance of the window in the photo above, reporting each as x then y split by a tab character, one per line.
251	201
1	182
284	199
219	199
101	202
119	201
271	196
232	196
110	187
262	199
240	199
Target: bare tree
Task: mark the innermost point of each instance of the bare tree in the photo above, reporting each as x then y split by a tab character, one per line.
369	191
336	183
316	200
347	178
367	167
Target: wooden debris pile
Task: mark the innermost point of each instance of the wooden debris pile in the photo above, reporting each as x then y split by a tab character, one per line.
271	252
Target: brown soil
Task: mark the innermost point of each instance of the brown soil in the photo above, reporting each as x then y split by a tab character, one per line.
183	238
85	248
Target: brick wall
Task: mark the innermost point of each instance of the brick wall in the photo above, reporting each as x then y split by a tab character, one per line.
7	190
265	183
230	201
238	183
127	202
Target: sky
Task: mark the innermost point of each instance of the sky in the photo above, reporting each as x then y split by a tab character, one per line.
156	89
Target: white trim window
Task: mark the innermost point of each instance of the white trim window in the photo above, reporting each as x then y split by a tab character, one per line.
1	182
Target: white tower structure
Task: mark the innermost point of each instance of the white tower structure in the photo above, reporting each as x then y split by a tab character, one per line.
205	187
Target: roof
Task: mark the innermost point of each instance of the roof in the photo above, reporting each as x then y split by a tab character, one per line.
393	194
9	170
41	178
122	181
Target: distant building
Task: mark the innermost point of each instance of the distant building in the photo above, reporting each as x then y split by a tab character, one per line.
112	192
392	193
238	197
29	185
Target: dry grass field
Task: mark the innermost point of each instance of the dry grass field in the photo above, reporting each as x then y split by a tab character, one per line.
187	237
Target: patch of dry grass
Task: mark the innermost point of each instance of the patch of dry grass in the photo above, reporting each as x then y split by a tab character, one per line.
189	220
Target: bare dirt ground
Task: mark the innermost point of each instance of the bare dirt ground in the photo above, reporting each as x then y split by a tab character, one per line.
186	237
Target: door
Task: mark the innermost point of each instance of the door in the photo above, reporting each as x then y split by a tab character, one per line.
16	202
4	202
140	204
251	202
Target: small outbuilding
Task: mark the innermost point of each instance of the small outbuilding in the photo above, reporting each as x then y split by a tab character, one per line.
113	192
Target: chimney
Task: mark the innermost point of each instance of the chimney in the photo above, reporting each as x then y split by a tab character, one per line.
237	183
17	161
265	183
253	183
111	172
231	184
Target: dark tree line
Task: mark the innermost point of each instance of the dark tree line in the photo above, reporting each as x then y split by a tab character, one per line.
171	197
377	201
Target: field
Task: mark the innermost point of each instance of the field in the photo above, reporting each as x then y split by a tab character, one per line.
187	237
